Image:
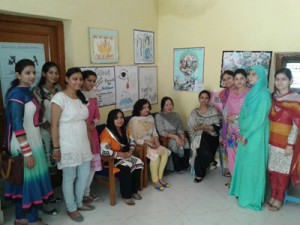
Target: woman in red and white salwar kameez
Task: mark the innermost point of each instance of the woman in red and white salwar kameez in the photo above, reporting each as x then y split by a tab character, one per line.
284	142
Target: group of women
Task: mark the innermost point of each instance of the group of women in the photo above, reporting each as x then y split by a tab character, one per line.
53	127
260	135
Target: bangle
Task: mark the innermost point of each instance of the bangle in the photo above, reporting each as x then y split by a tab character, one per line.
237	116
56	149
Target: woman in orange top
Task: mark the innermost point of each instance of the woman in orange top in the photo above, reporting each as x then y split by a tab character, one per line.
116	141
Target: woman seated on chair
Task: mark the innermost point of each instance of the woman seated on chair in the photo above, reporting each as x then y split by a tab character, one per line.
169	125
143	130
284	146
203	127
116	141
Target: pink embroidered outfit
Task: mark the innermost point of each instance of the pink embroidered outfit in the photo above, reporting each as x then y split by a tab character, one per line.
233	106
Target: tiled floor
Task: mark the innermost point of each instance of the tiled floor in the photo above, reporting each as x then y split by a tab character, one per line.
185	203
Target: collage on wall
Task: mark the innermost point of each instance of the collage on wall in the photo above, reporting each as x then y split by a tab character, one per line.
232	60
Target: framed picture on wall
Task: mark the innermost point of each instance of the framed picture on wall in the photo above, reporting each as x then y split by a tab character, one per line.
232	60
148	84
188	69
143	46
103	46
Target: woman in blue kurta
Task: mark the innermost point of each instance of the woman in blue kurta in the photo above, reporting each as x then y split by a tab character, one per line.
23	137
249	177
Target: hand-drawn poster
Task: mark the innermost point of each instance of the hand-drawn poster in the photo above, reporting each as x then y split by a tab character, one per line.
143	46
188	69
148	84
233	60
11	53
103	46
126	87
105	87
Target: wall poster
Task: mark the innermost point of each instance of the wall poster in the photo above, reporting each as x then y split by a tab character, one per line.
105	87
148	84
188	69
126	87
11	53
103	46
232	60
143	46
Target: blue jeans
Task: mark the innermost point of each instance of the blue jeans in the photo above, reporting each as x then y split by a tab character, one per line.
78	176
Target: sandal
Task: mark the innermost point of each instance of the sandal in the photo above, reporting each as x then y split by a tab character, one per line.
198	180
227	184
165	184
76	216
129	201
136	196
227	174
20	223
52	212
85	207
56	200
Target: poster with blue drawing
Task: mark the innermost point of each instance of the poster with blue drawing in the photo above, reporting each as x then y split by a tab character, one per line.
11	53
188	69
148	84
126	87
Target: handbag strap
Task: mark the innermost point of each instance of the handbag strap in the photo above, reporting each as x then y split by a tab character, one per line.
3	175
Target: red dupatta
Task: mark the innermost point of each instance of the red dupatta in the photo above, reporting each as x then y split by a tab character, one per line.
293	109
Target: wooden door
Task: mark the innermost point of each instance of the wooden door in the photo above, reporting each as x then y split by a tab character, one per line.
32	30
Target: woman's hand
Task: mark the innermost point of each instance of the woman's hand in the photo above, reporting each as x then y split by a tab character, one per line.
56	155
288	151
231	118
29	160
90	126
243	140
127	154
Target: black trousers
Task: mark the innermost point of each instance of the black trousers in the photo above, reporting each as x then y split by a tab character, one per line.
129	181
181	163
205	153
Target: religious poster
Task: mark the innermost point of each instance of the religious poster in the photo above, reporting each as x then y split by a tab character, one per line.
126	87
105	87
188	69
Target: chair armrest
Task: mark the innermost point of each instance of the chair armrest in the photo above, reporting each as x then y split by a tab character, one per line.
164	141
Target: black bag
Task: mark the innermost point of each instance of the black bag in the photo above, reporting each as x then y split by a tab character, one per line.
12	168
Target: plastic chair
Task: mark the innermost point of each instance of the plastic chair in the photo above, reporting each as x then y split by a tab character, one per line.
290	198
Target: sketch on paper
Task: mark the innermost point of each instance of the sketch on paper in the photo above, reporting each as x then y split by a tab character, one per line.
126	87
103	46
148	84
143	46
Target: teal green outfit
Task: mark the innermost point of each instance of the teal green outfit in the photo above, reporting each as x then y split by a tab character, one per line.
249	177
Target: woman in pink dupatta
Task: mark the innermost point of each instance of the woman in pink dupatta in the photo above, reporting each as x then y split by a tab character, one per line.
231	114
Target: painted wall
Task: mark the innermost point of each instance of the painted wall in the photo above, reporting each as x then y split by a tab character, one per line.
221	25
78	16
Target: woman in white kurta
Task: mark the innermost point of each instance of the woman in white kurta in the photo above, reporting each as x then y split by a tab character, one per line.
71	147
